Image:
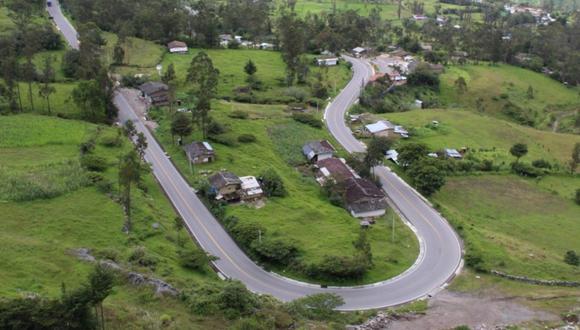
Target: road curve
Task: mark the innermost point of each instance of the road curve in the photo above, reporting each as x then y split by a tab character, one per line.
426	277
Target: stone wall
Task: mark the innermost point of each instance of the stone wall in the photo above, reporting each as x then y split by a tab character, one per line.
536	281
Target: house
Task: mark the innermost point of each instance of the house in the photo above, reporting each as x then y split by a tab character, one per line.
155	93
453	153
380	128
393	156
420	17
318	150
266	46
250	189
327	61
177	47
199	152
226	186
426	47
459	55
418	104
364	199
358	51
333	169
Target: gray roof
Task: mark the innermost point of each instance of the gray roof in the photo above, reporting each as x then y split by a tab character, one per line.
315	148
223	179
196	149
176	44
152	87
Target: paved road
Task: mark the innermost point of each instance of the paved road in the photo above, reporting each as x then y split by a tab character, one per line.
65	27
424	278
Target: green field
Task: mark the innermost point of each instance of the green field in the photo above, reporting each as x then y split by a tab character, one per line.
388	9
486	137
39	234
271	71
61	102
515	225
499	84
305	215
138	52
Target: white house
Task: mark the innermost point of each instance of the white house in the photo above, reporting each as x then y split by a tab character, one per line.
380	128
250	189
358	51
453	153
327	61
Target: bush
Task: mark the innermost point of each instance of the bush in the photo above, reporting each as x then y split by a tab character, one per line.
571	258
474	261
275	250
238	114
132	81
193	259
577	198
342	267
111	141
272	184
223	139
108	254
526	170
308	119
541	163
247	138
140	257
94	163
215	128
246	233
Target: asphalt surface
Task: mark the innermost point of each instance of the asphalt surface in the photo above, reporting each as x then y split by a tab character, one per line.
63	25
440	252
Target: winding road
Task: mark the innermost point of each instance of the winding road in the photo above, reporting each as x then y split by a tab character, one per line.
440	256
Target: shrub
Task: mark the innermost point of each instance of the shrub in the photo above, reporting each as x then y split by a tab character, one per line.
246	233
272	184
104	186
571	258
275	250
108	254
94	163
342	267
577	198
238	114
474	261
541	163
223	139
215	128
319	306
526	170
193	259
140	257
111	141
308	119
247	138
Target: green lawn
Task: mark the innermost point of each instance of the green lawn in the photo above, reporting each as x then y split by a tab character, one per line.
61	101
305	215
515	225
388	10
498	84
56	62
487	137
37	235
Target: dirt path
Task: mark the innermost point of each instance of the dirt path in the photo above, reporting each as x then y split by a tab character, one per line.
560	116
449	309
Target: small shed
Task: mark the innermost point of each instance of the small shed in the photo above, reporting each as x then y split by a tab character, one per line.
156	93
177	47
250	189
380	128
318	150
327	61
358	51
199	152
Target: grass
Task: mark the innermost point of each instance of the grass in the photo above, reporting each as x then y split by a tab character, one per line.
498	84
388	10
305	215
139	53
516	225
271	71
486	136
37	235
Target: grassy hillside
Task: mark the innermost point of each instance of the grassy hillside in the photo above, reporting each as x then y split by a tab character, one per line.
305	215
515	225
39	233
138	52
487	137
499	85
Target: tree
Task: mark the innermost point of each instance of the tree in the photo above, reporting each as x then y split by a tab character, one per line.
141	144
363	245
71	63
129	129
169	75
411	153
530	92
250	68
194	259
118	54
376	150
100	286
292	38
204	76
571	258
90	41
575	159
129	173
272	184
236	300
178	226
519	150
461	85
276	250
46	78
181	125
426	177
89	97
